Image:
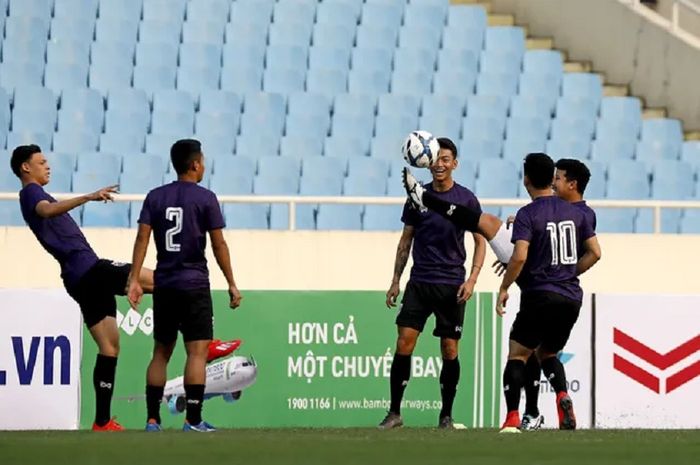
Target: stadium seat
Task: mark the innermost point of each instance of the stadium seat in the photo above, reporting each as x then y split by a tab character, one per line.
164	10
615	220
106	215
621	109
580	108
690	221
216	101
319	167
544	88
141	178
529	106
195	79
370	36
627	179
505	39
154	78
60	76
359	167
324	57
372	58
386	15
300	145
127	108
290	33
465	174
249	55
204	10
530	128
612	147
582	86
126	9
480	149
420	36
338	13
309	126
253	11
368	82
75	139
283	80
690	152
18	74
10	213
481	128
217	123
414	82
117	29
246	216
569	147
257	144
649	151
241	79
396	123
382	218
294	11
572	126
346	146
68	50
121	142
432	16
386	146
517	147
328	82
355	126
23	137
339	217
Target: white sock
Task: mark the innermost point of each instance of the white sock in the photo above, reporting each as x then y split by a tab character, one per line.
501	245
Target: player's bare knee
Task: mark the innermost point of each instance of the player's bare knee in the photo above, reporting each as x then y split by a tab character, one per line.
544	355
405	345
449	349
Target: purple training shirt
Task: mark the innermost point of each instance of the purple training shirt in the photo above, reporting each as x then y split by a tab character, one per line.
181	213
438	245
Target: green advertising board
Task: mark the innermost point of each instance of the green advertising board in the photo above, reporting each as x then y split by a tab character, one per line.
323	361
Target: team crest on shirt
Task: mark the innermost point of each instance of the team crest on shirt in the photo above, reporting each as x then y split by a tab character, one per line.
451	210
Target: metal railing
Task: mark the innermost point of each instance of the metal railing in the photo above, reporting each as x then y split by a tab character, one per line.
292	201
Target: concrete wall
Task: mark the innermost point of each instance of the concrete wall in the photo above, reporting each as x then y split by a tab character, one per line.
638	263
628	48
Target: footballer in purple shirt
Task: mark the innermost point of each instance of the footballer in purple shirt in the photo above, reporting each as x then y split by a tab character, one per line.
554	243
437	285
180	215
92	282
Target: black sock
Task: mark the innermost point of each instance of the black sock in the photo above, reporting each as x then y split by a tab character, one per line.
194	394
464	217
449	377
400	374
103	382
532	385
554	371
513	379
154	396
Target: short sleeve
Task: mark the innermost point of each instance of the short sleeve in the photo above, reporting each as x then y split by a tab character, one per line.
409	216
145	216
213	217
31	196
522	228
586	230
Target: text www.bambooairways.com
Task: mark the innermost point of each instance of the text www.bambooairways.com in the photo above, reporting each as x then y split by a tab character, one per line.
333	403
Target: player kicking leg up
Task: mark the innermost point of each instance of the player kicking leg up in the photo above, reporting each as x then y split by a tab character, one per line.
180	214
92	282
437	285
469	219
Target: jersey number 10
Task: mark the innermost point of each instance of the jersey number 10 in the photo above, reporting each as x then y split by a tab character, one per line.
563	238
173	214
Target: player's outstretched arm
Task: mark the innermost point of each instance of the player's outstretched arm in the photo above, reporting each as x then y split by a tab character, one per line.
223	259
515	266
134	289
46	209
590	257
403	251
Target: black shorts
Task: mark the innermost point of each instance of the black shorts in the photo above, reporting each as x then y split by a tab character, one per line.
96	290
420	300
187	311
545	320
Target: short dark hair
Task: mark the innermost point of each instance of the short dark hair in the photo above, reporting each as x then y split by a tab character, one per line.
22	154
575	171
539	168
183	153
447	144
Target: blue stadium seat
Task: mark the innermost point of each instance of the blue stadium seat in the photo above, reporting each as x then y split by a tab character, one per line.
283	80
217	123
355	126
127	109
290	56
368	82
81	107
279	183
309	126
432	16
238	165
60	76
160	31
328	82
463	39
24	137
465	174
64	162
405	105
241	79
30	8
246	216
320	167
386	15
532	128
268	106
335	36
156	54
68	51
204	10
368	167
18	74
216	144
83	9
145	163
396	123
248	55
362	185
355	104
528	106
5	112
582	86
8	181
140	181
161	143
420	37
300	145
481	128
339	217
545	88
34	109
438	105
27	27
506	39
164	10
622	109
327	57
171	120
10	213
108	164
573	125
322	184
247	31
496	84
649	151
339	13
121	142
458	61
346	146
612	148
372	58
497	179
173	101
231	183
382	218
493	62
154	78
690	221
663	130
126	9
370	36
620	129
387	146
581	108
106	215
252	11
75	139
309	103
690	152
69	28
480	149
298	11
112	52
517	147
672	180
615	220
467	17
218	101
544	63
195	79
90	181
117	30
574	147
257	144
442	125
290	33
627	179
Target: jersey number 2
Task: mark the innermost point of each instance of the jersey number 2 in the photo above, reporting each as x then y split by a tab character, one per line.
563	238
173	214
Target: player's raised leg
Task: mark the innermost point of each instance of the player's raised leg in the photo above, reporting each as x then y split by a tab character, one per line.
491	227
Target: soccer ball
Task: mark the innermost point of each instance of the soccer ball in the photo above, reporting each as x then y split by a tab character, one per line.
420	149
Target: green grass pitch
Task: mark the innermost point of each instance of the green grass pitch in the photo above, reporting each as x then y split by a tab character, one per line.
352	446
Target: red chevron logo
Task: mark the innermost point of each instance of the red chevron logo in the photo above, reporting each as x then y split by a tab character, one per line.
656	359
